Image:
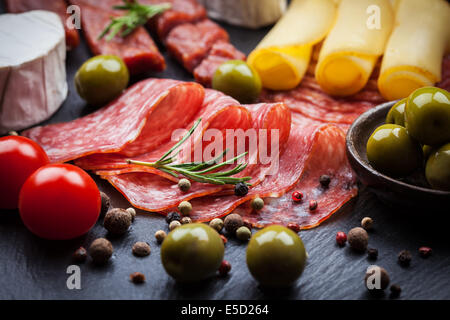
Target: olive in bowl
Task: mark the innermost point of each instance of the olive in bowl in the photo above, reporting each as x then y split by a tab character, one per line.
276	256
437	170
192	252
101	79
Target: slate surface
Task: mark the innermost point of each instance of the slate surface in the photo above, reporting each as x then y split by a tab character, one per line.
32	268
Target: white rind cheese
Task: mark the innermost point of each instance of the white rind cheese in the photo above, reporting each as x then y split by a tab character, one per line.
32	68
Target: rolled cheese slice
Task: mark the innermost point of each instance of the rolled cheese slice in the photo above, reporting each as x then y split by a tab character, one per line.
282	57
351	49
32	68
415	50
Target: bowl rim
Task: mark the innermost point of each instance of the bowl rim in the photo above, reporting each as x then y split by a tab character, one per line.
355	155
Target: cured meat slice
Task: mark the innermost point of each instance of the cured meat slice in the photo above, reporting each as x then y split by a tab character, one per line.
138	50
153	192
150	108
311	152
190	43
57	6
181	11
221	52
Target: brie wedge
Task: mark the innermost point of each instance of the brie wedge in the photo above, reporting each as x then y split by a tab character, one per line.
32	68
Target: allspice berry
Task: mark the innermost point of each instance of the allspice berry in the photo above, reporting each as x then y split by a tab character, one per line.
233	222
117	221
185	208
184	185
106	203
174	224
257	204
358	239
376	279
100	250
367	223
141	249
243	233
216	224
132	212
160	235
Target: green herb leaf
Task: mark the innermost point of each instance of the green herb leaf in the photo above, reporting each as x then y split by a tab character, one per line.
136	16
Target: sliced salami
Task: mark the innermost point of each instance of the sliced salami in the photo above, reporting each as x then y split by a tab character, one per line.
140	120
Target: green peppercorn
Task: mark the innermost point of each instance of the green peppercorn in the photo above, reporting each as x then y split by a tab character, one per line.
185	208
184	185
243	233
216	224
257	204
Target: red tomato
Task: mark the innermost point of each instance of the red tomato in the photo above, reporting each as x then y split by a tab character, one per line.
19	158
59	202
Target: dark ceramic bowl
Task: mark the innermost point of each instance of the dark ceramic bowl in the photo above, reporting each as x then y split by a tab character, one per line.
392	191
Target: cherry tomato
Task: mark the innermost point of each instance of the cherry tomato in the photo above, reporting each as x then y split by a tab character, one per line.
19	158
59	202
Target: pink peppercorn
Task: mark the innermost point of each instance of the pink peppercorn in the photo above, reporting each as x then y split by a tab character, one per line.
341	238
224	268
297	196
224	239
312	205
425	252
294	226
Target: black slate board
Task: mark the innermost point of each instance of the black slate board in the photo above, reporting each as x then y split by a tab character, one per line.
32	268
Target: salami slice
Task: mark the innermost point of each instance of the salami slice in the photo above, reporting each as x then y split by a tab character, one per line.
140	120
190	43
220	53
57	6
137	49
155	193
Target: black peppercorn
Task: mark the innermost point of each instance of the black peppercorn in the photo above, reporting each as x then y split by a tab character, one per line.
404	258
395	291
372	253
325	180
171	216
241	189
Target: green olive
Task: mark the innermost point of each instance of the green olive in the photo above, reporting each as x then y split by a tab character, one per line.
276	256
397	113
192	252
437	169
237	79
427	150
101	79
392	151
427	115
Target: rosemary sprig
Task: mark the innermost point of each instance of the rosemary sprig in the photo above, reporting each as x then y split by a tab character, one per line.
137	15
200	172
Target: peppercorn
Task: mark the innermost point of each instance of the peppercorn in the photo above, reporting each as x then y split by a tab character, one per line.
325	180
371	284
313	205
395	291
160	235
257	204
425	252
247	224
241	189
404	258
358	239
172	216
243	233
367	223
80	255
117	221
132	213
372	253
216	224
294	226
297	196
225	268
185	208
233	222
224	239
141	249
13	133
341	238
184	185
137	278
174	224
106	203
100	250
186	220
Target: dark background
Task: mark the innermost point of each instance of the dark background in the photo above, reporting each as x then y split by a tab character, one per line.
32	268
